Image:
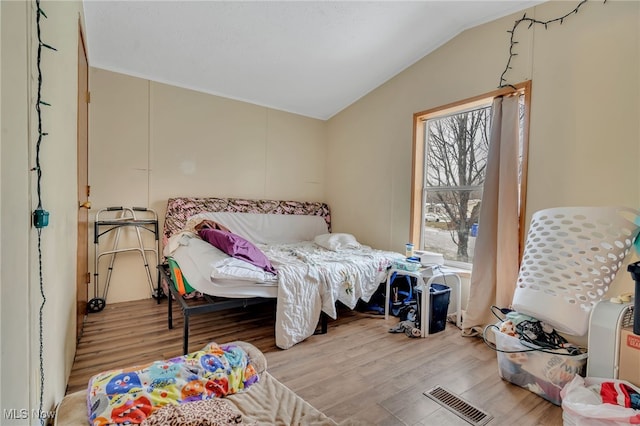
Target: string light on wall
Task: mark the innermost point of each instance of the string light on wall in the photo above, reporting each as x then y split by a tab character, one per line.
531	21
40	216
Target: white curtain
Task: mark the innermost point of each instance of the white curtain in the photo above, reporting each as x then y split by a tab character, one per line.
495	260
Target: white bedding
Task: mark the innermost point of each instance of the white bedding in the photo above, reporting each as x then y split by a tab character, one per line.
310	278
210	271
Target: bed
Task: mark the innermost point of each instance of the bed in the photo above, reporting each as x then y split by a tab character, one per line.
314	268
265	402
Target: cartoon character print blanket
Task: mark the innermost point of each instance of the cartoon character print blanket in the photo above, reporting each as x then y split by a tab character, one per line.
129	396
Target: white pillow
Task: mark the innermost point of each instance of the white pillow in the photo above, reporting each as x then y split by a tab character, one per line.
215	264
336	241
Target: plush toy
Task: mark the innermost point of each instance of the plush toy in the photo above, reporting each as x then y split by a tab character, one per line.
508	328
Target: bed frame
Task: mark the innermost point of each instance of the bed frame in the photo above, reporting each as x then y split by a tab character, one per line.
179	210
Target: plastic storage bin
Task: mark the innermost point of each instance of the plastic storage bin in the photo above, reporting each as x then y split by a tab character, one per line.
440	296
542	373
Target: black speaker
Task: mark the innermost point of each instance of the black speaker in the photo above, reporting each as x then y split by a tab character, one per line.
634	269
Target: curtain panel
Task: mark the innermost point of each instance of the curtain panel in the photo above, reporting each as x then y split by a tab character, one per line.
496	258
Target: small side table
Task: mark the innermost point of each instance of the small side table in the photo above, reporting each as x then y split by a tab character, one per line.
424	277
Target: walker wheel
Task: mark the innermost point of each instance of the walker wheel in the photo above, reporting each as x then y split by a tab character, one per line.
96	305
158	295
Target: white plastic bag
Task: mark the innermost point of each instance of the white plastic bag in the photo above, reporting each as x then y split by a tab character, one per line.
583	407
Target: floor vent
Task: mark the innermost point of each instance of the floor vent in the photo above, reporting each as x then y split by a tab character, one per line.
458	406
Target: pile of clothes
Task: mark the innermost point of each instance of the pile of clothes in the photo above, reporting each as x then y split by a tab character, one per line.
618	394
601	401
539	333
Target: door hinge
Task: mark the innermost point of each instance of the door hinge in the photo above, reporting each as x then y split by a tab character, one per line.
88	190
88	97
87	278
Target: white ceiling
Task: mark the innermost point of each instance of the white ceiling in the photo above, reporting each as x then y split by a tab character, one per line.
312	58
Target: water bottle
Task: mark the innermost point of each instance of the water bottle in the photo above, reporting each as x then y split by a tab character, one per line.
408	250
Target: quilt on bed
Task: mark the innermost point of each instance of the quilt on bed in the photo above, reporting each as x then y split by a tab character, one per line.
312	279
131	395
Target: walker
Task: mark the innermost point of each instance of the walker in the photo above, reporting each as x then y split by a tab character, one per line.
123	217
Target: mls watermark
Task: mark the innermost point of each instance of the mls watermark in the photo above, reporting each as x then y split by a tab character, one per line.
24	414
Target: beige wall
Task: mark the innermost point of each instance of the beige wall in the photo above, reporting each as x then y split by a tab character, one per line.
151	141
585	138
15	327
584	150
20	273
1	201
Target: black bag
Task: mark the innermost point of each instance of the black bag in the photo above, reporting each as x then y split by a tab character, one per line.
409	312
402	298
401	295
376	302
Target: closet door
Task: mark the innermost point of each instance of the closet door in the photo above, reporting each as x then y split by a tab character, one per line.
82	268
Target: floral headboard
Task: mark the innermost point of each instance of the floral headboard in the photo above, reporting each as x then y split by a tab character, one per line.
179	210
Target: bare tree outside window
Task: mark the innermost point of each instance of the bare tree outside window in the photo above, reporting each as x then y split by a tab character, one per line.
456	149
450	152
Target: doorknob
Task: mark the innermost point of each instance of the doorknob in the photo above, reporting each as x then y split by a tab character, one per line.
85	205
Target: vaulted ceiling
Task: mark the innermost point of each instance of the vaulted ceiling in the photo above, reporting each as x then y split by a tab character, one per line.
312	58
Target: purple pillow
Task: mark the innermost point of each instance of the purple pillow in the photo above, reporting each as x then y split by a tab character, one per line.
236	246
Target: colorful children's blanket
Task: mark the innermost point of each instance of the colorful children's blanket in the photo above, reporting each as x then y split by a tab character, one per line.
129	396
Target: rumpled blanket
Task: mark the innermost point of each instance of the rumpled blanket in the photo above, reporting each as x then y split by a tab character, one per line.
130	395
312	279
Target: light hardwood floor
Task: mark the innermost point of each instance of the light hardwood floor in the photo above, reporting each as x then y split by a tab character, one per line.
357	371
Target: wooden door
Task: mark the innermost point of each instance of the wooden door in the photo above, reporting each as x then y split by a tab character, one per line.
82	276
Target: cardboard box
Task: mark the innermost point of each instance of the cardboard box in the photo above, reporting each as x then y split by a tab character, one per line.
629	356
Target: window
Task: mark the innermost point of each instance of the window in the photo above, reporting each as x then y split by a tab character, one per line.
451	145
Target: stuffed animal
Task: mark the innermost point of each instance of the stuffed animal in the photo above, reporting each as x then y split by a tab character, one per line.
508	328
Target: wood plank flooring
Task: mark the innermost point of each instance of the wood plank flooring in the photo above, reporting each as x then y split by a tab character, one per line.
358	371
